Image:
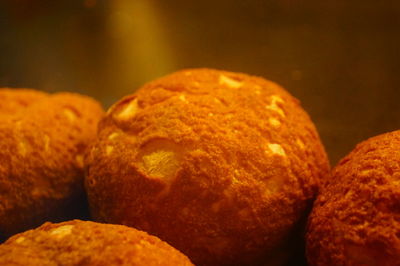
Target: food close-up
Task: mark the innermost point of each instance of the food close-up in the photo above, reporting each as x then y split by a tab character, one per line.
87	243
221	165
207	133
43	139
356	217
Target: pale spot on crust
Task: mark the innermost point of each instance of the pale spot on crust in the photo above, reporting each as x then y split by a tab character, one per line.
182	98
273	106
224	80
258	92
46	142
23	146
20	240
365	172
71	115
300	143
128	111
160	163
79	160
187	73
216	100
144	243
235	176
274	122
62	231
113	135
396	182
276	99
235	180
109	150
276	149
210	114
161	158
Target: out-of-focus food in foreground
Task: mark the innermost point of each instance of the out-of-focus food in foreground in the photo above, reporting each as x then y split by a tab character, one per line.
42	143
220	165
87	243
356	218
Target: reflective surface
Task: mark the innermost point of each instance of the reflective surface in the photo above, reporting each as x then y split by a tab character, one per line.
340	59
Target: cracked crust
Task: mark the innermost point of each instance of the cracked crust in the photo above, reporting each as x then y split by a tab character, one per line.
87	243
196	160
42	141
356	218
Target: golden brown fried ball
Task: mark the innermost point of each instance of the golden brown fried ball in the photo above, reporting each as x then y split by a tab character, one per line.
356	218
88	243
42	142
220	165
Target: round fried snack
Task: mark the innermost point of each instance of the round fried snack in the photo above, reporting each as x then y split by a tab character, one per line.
42	143
88	243
356	218
221	165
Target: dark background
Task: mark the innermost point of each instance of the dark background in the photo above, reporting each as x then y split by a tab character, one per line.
340	58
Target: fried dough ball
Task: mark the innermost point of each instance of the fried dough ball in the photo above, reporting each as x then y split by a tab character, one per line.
220	165
42	143
88	243
356	218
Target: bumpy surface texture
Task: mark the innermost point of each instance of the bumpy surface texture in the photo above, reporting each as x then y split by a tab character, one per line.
356	218
42	143
221	165
88	243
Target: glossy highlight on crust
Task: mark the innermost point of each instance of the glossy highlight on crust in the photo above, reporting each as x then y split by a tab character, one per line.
221	165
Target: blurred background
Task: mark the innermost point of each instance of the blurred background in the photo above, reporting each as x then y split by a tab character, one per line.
340	58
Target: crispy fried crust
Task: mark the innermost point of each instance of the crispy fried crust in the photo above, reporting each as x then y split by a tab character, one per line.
16	100
88	243
356	218
219	164
42	142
